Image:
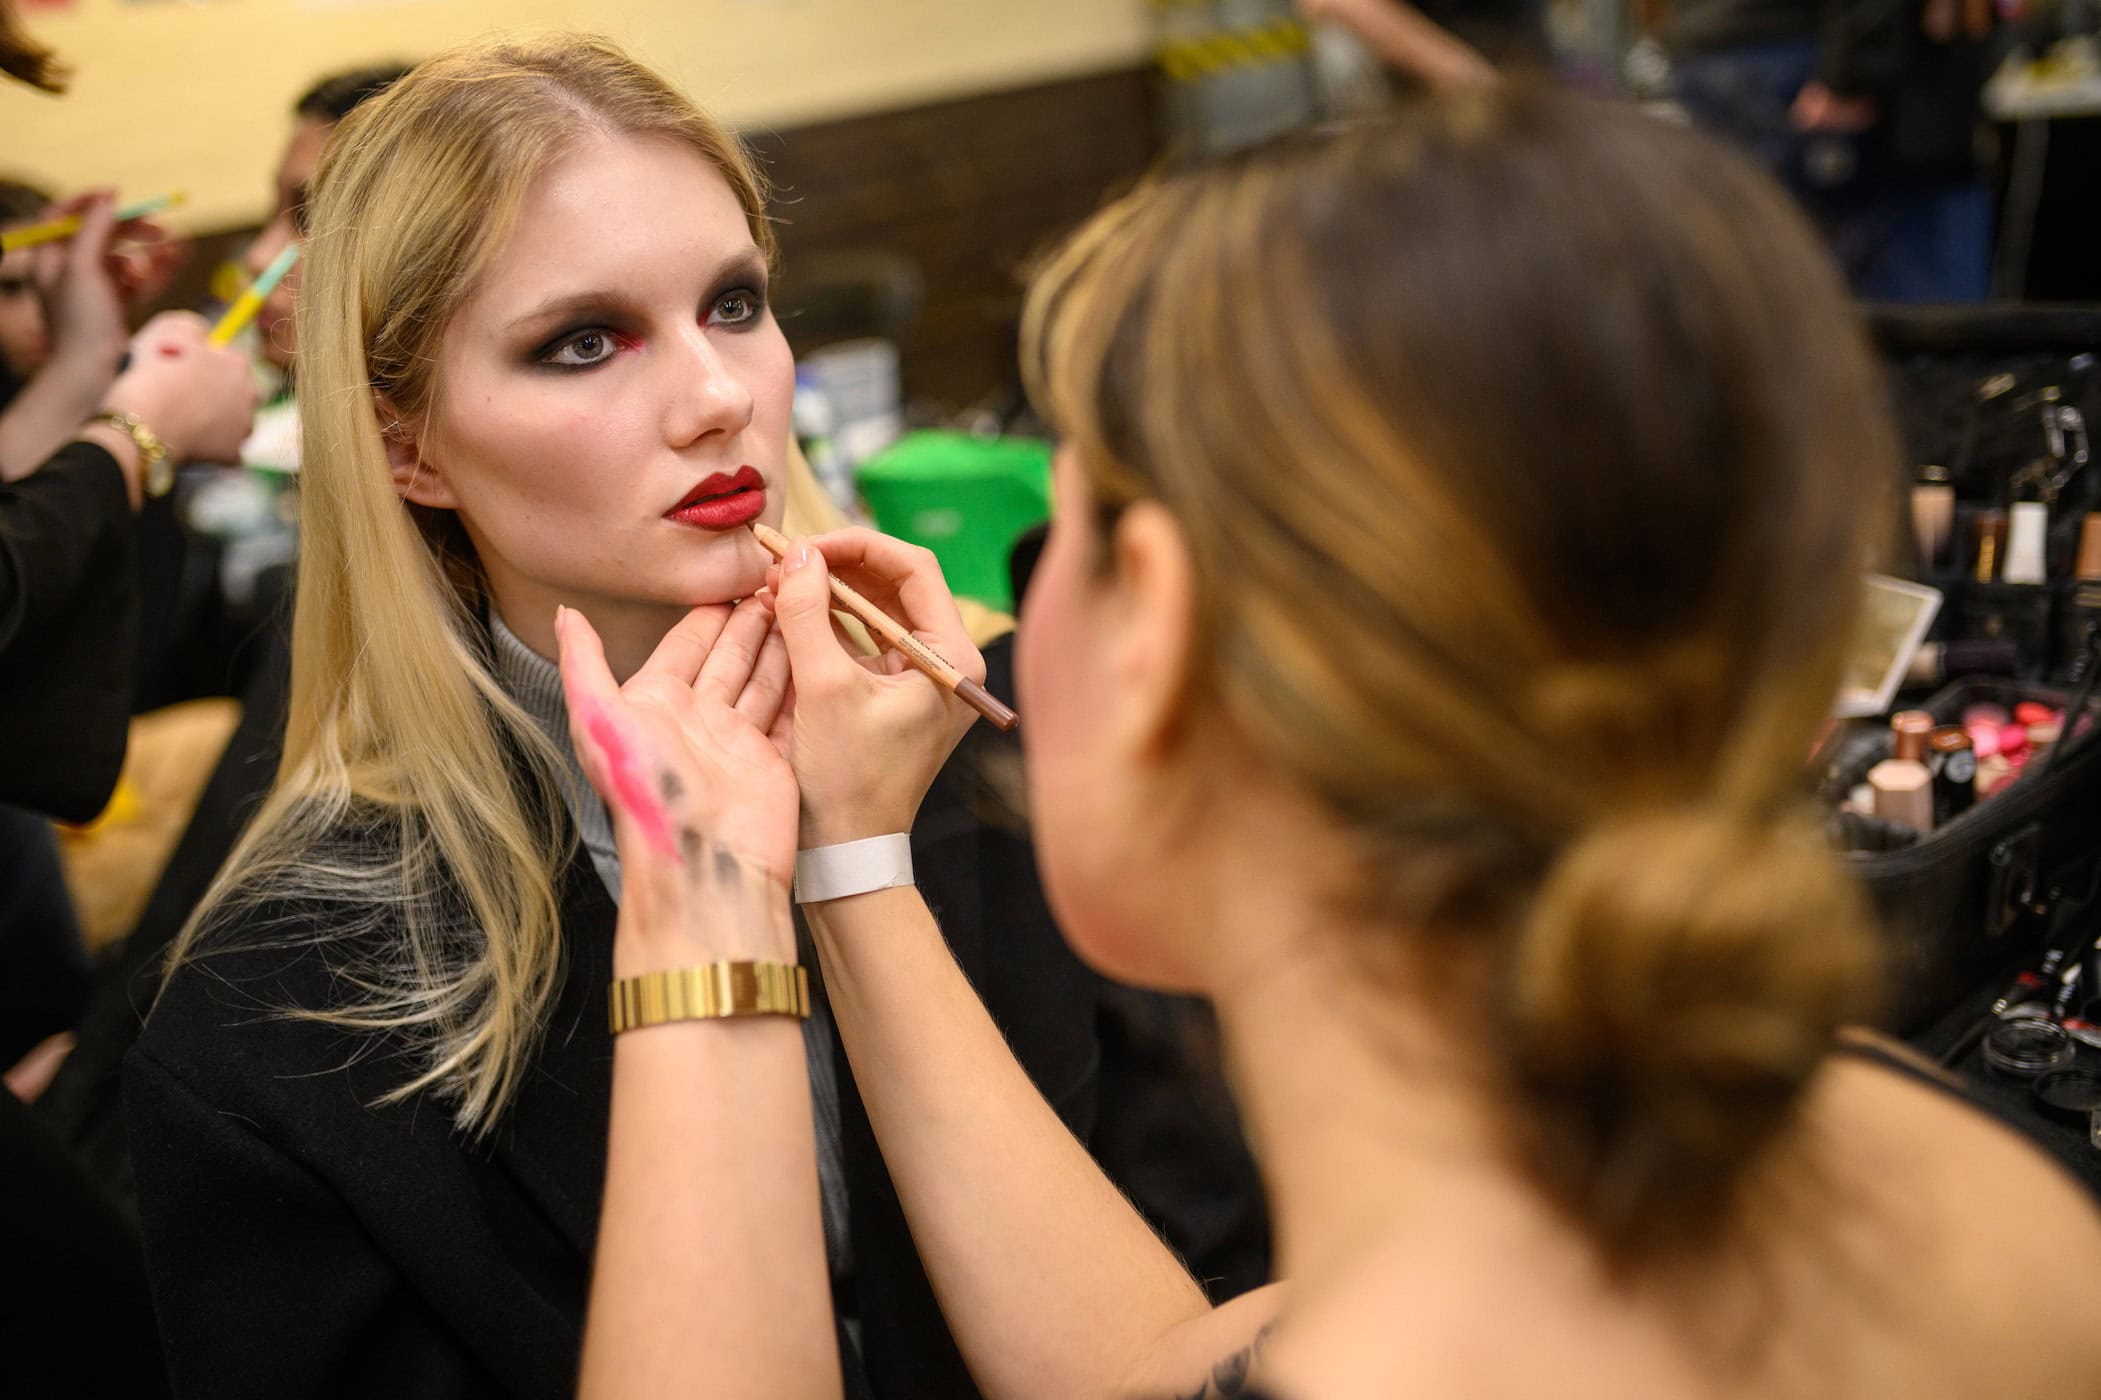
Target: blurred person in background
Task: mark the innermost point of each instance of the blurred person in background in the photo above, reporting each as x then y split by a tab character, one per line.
74	1314
25	337
81	1101
314	119
1868	111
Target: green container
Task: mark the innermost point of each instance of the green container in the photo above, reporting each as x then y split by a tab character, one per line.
966	498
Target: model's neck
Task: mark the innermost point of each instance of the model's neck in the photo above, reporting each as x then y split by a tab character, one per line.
629	630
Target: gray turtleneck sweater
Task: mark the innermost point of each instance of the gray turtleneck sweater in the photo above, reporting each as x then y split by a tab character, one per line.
532	681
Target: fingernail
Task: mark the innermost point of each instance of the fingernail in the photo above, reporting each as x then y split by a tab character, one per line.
799	557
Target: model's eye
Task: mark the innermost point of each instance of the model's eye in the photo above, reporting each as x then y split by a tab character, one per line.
582	349
738	307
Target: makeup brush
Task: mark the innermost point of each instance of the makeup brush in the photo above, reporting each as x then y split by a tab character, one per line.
251	301
891	632
55	230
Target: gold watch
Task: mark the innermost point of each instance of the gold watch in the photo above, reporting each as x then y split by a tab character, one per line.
156	467
709	992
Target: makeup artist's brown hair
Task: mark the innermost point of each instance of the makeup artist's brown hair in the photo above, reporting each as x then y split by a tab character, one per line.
1524	446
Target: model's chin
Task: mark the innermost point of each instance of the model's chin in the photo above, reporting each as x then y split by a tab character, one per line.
732	578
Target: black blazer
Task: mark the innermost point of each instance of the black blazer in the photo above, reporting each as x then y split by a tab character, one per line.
68	632
301	1242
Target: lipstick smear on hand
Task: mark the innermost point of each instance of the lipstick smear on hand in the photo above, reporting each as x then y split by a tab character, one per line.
724	501
630	788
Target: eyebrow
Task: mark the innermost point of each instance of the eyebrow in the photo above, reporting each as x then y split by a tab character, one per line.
745	262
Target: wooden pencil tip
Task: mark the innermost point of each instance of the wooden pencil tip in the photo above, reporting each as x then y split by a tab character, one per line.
987	704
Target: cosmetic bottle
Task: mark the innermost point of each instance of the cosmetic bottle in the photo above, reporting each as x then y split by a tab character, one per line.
1902	784
2079	604
1954	764
1903	793
2027	534
1909	731
1937	663
1989	532
1933	519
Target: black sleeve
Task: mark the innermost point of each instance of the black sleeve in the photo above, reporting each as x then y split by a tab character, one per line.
264	1283
74	1315
68	615
1866	45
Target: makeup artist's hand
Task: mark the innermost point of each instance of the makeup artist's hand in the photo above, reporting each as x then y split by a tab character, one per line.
870	731
1406	41
134	261
83	301
690	757
144	258
199	398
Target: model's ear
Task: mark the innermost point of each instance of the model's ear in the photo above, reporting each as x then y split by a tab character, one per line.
416	480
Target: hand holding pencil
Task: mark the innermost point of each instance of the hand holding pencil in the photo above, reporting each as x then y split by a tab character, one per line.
138	256
870	731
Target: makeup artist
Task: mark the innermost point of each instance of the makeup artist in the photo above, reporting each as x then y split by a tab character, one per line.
74	1313
1453	752
80	448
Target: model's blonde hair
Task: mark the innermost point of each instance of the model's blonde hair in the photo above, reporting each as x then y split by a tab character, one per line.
1522	446
414	794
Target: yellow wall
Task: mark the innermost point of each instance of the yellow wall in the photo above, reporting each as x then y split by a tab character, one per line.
195	94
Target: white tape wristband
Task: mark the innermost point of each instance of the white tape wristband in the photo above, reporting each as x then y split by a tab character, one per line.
856	867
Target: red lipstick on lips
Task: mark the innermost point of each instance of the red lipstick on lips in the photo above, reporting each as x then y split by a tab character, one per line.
724	501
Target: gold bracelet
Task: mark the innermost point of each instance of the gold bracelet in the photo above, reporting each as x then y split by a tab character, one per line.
710	992
156	468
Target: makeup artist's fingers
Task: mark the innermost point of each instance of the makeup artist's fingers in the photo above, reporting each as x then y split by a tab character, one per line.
843	714
146	260
844	556
735	654
856	647
686	646
802	606
782	732
767	689
912	590
82	303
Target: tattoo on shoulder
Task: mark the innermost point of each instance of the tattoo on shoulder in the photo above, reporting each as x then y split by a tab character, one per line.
1230	1376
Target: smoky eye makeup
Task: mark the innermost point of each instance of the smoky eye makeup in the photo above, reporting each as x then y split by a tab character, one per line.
581	346
599	326
582	349
739	298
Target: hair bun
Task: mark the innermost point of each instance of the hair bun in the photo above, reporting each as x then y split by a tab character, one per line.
1679	978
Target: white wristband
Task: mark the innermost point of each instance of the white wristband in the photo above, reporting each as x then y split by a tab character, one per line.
856	867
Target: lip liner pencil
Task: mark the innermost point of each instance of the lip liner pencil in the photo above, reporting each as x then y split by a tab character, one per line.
891	632
52	230
249	302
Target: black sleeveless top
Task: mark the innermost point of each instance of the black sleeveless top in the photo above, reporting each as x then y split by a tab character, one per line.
2070	1150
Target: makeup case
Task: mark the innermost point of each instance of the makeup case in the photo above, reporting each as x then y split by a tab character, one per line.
1988	887
1995	401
